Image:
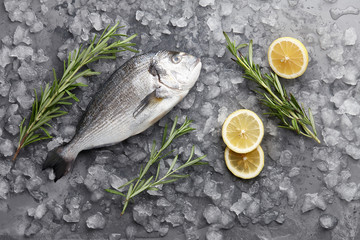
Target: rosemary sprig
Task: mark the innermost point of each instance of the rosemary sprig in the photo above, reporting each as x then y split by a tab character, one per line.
283	106
150	183
47	106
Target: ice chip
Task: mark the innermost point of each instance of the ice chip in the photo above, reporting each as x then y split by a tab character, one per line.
4	188
311	201
350	36
336	54
205	3
346	191
40	211
226	8
212	234
33	229
4	56
96	221
175	218
22	52
351	74
21	36
350	106
212	214
328	221
336	13
142	212
37	27
352	151
6	147
116	182
285	158
96	21
180	22
331	180
210	189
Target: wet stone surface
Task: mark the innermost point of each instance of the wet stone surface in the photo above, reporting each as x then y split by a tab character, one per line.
305	191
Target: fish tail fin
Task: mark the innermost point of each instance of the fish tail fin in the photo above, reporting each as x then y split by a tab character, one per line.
60	165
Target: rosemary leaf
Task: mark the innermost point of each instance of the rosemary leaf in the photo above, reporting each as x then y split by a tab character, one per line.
283	106
155	156
45	107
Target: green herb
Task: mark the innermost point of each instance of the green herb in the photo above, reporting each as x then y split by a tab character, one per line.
150	183
283	106
47	106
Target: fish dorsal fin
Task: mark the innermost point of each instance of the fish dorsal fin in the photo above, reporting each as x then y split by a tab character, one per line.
150	98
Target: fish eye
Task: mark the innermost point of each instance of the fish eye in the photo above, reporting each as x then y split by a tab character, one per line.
176	58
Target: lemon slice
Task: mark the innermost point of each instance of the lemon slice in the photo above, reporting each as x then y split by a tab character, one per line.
288	57
245	165
242	131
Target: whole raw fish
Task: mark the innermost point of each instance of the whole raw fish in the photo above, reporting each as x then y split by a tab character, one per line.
136	96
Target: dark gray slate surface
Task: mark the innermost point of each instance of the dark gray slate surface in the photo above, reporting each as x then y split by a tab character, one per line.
301	180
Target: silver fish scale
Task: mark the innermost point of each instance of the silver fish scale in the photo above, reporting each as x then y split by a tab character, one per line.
111	107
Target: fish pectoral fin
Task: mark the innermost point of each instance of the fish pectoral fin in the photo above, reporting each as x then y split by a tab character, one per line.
147	101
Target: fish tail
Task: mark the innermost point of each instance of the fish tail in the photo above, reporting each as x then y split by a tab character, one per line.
59	163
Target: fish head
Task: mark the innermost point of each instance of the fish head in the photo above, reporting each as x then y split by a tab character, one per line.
177	70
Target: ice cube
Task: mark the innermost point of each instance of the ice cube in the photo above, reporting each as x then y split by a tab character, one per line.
73	205
27	72
207	109
331	180
56	209
116	182
5	167
346	191
331	136
326	41
210	189
21	36
96	21
22	52
350	106
142	212
179	22
311	201
285	158
205	3
295	171
253	211
40	211
226	8
19	184
33	229
4	56
336	54
26	167
336	13
353	151
212	234
328	221
37	27
4	188
269	217
212	214
6	147
346	127
293	3
188	101
350	36
97	177
40	57
351	74
213	23
96	221
323	166
175	218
